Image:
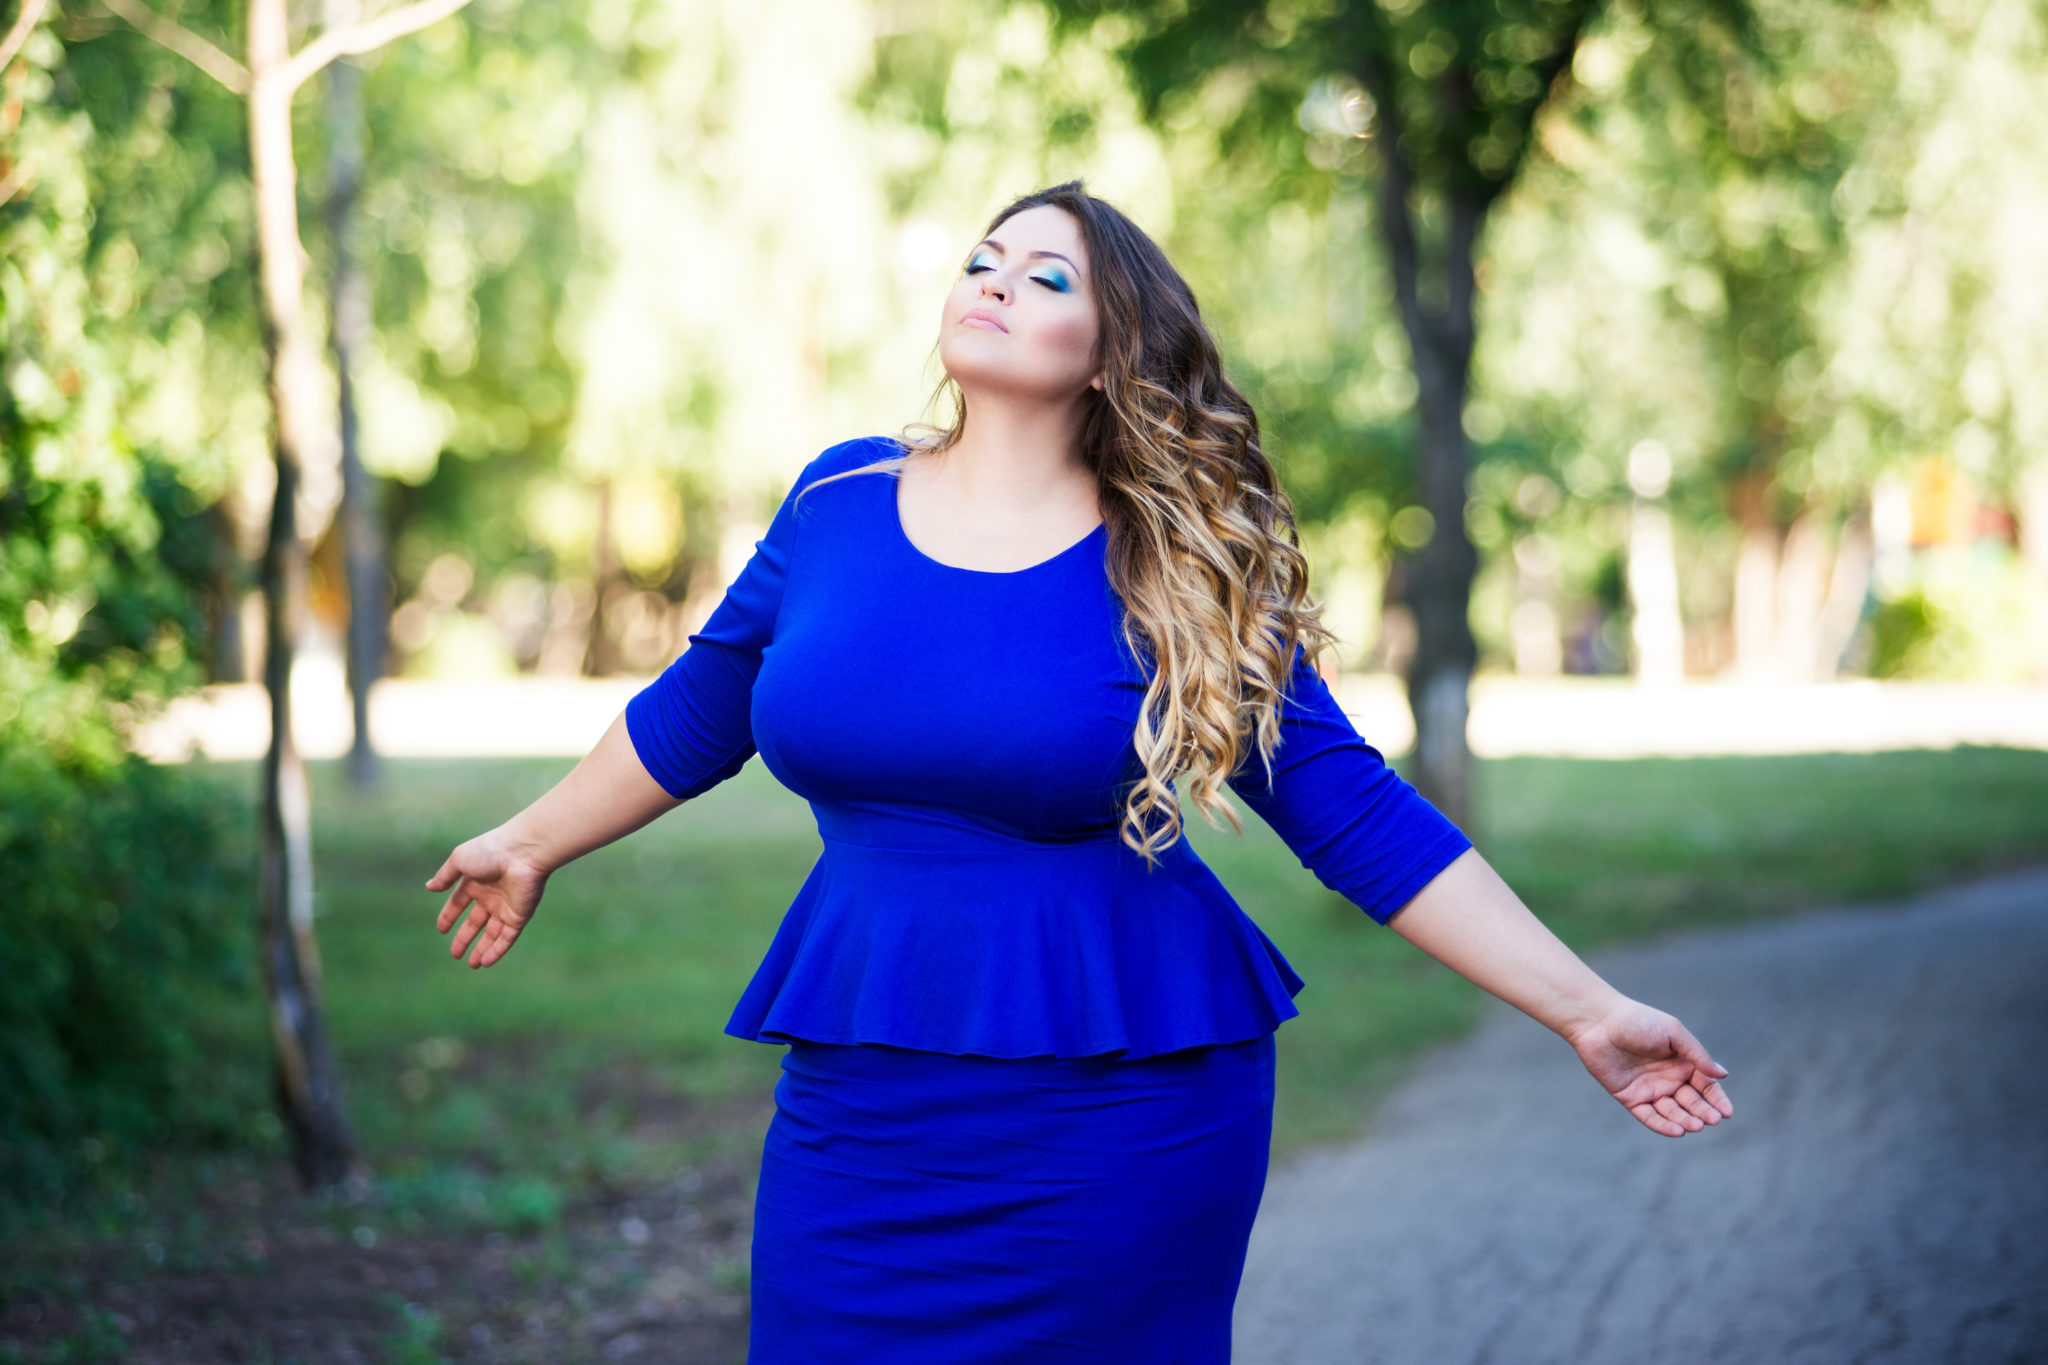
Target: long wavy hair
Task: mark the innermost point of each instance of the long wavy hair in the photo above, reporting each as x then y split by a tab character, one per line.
1203	548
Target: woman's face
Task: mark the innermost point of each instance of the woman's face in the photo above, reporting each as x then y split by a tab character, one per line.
1022	320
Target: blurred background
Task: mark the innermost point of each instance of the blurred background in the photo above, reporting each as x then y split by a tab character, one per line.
1669	379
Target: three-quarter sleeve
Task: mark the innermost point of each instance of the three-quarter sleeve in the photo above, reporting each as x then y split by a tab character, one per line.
693	726
1351	819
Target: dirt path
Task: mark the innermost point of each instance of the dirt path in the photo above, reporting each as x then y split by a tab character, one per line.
1881	1195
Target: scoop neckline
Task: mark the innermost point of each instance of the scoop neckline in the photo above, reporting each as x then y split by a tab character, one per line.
903	536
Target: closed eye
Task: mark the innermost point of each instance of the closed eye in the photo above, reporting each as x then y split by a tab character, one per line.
1053	278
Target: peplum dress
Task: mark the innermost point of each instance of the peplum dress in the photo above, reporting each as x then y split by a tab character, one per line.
1026	1104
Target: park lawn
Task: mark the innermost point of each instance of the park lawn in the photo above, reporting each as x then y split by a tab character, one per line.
618	993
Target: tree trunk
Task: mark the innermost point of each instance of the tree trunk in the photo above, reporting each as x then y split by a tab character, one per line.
1841	610
1803	563
363	548
1756	595
601	658
225	587
1439	578
1797	602
1656	625
308	1082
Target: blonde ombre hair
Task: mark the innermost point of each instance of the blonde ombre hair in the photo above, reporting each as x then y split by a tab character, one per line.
1203	549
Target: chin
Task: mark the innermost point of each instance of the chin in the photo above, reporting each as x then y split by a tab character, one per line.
972	368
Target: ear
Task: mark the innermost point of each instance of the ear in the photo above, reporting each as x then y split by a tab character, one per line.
1096	383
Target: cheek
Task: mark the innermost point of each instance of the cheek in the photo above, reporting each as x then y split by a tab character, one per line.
958	299
1068	338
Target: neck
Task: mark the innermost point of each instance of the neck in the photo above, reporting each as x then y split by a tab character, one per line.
1020	451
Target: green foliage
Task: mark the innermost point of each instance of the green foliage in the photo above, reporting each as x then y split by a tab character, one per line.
1340	140
125	292
467	228
108	548
418	1338
121	898
447	1197
1959	617
1792	240
122	934
102	566
1721	148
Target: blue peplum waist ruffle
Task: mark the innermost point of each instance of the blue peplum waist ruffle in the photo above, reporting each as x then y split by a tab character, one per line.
1008	947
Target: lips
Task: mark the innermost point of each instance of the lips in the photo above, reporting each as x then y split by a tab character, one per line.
983	317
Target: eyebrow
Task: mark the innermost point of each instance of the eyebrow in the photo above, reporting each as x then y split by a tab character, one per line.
990	241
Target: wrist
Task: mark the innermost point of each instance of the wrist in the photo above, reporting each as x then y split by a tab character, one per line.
524	844
1589	1010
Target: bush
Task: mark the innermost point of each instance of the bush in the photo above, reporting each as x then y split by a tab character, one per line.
1960	616
124	926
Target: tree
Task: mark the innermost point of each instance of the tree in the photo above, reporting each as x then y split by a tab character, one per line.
309	1091
1749	176
1675	271
364	551
1442	98
16	36
115	941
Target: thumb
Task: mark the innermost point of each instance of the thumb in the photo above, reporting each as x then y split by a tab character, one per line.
1689	1048
446	877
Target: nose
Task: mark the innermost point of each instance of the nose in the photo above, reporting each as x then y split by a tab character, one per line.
992	286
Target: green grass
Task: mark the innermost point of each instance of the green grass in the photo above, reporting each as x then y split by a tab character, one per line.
640	950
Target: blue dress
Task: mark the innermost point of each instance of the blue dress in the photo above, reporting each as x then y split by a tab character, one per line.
1025	1109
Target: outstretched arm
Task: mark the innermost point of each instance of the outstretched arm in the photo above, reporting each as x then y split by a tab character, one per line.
606	796
681	735
502	872
1471	921
1371	837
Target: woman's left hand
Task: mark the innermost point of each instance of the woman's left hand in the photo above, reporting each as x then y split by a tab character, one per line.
1655	1068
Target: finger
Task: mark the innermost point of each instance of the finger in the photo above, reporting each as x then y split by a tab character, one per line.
493	946
1656	1122
1696	1104
479	920
1689	1048
1671	1110
1716	1096
463	902
479	905
508	936
483	941
461	897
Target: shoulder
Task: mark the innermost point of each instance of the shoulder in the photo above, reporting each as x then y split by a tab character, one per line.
819	478
849	456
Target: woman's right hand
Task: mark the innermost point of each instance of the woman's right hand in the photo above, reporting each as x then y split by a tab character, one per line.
495	879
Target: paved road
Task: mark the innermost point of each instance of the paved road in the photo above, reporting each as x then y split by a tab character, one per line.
1880	1196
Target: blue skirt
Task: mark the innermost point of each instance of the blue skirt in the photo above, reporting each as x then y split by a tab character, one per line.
925	1208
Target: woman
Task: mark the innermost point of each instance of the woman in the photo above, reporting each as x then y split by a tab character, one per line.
1027	1099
